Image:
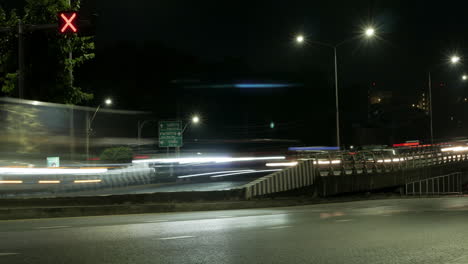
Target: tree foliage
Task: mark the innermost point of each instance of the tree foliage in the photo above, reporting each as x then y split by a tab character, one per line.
117	154
82	47
8	75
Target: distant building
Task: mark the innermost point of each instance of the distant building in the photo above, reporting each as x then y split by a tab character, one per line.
423	102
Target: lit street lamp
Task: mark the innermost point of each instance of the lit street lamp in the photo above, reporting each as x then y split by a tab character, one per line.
464	77
300	39
89	122
454	59
195	119
368	32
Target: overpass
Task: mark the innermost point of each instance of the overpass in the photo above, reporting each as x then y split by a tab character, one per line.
321	174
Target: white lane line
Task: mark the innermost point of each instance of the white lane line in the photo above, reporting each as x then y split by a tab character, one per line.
177	237
343	220
156	221
278	227
8	254
51	227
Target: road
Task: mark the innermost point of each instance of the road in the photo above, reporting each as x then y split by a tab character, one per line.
140	189
381	231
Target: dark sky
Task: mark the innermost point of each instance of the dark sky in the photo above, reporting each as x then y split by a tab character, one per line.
140	37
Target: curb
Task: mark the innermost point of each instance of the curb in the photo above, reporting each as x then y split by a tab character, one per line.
97	210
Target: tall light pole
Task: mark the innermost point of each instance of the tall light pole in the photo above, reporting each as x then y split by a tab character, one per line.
89	122
194	120
368	32
454	59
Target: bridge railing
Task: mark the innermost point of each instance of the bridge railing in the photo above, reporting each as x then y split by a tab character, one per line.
445	184
303	174
307	171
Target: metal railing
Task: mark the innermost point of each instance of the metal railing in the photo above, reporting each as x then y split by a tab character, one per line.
307	171
304	174
445	184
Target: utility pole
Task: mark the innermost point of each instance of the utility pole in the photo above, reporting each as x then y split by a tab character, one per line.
20	60
70	57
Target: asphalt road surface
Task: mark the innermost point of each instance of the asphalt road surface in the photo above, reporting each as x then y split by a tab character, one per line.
141	189
382	231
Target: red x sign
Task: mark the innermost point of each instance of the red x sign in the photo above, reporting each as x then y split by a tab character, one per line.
67	22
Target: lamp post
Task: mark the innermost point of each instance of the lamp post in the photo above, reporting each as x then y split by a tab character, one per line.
454	59
89	122
194	121
368	33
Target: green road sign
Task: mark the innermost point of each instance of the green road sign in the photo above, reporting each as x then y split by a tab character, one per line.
53	162
170	134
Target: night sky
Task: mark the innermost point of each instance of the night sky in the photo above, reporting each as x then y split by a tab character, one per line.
150	55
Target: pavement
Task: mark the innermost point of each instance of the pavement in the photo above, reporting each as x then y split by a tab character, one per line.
426	230
141	189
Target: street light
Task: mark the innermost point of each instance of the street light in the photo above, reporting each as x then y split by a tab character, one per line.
454	59
195	119
89	122
369	32
464	77
300	39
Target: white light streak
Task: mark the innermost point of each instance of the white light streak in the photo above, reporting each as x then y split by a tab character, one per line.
257	171
49	171
87	181
212	173
281	164
10	182
49	182
455	149
207	159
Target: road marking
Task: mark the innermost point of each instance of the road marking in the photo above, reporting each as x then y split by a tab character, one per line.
278	227
177	237
8	254
343	220
51	227
156	221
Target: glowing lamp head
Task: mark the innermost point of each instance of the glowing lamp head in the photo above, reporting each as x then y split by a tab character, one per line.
369	32
300	39
464	77
454	59
195	119
108	101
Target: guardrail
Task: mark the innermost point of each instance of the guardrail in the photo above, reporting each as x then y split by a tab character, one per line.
445	184
61	180
308	171
303	174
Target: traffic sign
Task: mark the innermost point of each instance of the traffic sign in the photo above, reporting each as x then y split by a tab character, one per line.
67	22
170	134
53	161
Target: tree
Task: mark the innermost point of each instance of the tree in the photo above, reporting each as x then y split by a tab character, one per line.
8	74
38	12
